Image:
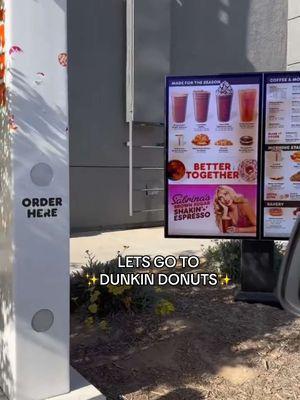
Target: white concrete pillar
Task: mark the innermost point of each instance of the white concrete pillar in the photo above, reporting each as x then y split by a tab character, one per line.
34	203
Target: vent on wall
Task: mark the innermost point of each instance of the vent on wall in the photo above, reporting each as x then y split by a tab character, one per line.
148	62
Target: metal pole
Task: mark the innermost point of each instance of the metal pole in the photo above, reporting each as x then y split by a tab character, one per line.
130	93
130	171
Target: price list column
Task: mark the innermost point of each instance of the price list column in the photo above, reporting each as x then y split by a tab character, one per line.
281	201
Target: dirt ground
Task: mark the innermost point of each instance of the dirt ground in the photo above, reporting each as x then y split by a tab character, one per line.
209	348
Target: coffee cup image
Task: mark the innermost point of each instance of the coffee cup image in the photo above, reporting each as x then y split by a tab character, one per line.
233	212
224	95
201	105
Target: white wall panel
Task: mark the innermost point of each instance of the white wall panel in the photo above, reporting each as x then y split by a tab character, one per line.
35	268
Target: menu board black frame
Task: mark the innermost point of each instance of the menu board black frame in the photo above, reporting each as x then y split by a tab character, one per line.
220	77
276	203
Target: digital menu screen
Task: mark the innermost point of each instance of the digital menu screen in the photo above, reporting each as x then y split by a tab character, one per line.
281	198
212	163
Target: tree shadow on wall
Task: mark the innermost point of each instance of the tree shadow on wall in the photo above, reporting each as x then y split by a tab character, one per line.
6	251
219	36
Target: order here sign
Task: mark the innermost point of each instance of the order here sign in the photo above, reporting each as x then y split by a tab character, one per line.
233	155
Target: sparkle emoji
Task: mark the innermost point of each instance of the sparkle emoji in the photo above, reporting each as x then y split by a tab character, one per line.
226	280
94	280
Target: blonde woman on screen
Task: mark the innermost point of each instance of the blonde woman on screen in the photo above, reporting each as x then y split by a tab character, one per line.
233	212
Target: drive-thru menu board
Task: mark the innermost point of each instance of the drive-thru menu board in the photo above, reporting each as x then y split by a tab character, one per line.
213	126
281	153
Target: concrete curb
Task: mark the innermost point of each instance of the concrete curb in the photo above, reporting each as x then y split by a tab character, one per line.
81	389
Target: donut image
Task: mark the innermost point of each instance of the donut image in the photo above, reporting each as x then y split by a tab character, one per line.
63	59
276	212
175	170
248	170
246	140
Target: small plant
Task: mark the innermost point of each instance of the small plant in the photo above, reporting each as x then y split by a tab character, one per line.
96	301
164	307
89	322
104	326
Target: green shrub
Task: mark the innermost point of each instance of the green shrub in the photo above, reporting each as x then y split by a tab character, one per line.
279	251
96	300
225	257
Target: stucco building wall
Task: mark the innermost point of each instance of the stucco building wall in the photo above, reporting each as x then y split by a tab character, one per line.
205	37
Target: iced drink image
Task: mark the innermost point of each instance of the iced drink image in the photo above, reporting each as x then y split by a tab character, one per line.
224	95
247	104
226	223
201	103
179	102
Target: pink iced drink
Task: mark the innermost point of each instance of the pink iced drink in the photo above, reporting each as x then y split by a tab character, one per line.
201	102
179	102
